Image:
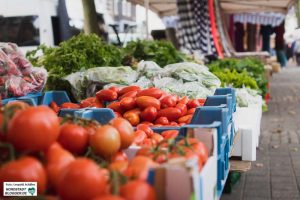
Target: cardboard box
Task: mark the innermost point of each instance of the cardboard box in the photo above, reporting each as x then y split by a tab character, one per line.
180	179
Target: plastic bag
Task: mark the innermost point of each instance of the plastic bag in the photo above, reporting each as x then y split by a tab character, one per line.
87	83
17	76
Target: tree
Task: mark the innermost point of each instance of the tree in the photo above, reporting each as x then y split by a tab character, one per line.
90	17
297	9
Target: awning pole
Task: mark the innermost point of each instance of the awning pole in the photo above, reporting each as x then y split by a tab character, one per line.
147	18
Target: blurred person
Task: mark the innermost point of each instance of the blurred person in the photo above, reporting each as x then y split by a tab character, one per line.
279	44
297	52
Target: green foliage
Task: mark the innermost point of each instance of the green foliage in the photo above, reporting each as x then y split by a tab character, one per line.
161	52
79	52
236	79
251	66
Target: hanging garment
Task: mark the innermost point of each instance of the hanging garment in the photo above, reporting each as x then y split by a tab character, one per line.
194	28
266	32
251	30
239	37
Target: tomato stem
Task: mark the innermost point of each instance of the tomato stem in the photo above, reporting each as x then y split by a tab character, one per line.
115	182
11	150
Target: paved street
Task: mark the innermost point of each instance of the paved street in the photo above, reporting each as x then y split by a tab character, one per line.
276	173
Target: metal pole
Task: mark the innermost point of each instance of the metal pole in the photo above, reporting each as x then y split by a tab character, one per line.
147	18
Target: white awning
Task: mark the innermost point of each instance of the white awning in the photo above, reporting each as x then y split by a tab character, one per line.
161	7
247	6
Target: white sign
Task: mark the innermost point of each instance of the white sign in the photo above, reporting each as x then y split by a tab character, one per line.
20	189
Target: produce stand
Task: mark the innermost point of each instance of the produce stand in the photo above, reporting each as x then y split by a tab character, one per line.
201	104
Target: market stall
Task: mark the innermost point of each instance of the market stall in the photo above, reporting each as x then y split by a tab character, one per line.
144	117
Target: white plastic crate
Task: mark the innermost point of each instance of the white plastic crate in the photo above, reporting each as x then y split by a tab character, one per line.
247	121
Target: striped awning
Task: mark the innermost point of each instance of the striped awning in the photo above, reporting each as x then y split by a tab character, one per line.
248	6
273	19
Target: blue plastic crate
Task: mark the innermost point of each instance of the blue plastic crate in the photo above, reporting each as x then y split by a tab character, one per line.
221	101
33	99
59	97
227	91
102	115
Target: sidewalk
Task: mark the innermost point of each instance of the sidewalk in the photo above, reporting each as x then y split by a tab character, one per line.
276	173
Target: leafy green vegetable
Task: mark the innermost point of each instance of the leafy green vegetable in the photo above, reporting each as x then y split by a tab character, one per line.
236	79
161	52
78	53
253	67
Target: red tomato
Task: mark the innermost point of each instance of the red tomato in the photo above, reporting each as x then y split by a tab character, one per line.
147	123
193	103
145	151
149	114
139	167
201	101
114	88
107	95
91	129
57	159
73	138
69	105
183	108
197	147
162	121
201	150
132	117
131	94
170	134
120	166
54	106
146	129
25	169
82	179
97	104
117	114
125	130
168	101
109	197
191	111
128	89
184	100
185	119
145	101
171	113
140	136
106	141
157	137
119	156
128	103
136	111
174	124
88	102
151	92
33	129
116	106
149	142
137	190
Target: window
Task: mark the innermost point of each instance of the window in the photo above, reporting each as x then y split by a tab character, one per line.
128	8
116	7
21	30
124	8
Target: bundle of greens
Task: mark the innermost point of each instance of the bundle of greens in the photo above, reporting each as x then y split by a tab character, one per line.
161	52
235	79
78	53
253	67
